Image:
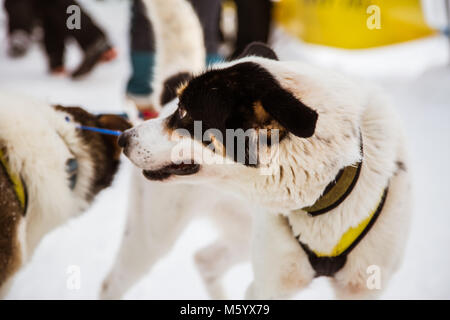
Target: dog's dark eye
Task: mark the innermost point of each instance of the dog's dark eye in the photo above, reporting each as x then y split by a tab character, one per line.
182	112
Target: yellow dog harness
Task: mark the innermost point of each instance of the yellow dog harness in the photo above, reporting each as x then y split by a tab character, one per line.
328	263
16	182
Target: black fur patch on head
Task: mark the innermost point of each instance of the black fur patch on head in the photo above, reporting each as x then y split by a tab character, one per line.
103	149
258	49
171	85
226	98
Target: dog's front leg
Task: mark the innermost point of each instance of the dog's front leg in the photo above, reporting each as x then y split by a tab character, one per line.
280	265
154	222
233	219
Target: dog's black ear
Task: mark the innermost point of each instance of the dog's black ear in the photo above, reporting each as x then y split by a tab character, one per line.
258	49
290	112
171	85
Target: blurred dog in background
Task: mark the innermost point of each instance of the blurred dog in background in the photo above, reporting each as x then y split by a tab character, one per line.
50	171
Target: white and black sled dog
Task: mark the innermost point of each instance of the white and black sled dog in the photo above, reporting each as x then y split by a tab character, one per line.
328	186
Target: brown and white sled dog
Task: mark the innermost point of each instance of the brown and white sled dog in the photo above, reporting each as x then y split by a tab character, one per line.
50	171
333	200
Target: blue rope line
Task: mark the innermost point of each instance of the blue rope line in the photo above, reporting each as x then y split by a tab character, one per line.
100	130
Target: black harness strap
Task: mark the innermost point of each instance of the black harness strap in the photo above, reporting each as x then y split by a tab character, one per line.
328	266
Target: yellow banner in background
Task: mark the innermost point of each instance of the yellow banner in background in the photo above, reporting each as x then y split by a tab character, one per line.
353	24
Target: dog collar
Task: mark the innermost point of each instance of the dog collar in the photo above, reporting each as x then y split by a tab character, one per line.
337	190
16	182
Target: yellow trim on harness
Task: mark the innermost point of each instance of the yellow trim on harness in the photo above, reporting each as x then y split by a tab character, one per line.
350	236
19	188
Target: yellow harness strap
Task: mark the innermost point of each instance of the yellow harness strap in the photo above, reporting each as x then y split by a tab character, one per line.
16	181
352	234
328	263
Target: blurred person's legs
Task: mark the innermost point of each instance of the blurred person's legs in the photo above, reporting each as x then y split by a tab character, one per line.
254	18
142	57
143	48
21	18
208	12
89	36
54	43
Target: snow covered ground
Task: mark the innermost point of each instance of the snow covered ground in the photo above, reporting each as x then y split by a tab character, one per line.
417	76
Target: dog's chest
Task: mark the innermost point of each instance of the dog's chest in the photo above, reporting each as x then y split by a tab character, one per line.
321	233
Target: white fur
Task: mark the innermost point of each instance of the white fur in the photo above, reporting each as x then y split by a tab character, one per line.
38	142
347	110
174	36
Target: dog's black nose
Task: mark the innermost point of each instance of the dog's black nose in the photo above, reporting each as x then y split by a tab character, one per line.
123	140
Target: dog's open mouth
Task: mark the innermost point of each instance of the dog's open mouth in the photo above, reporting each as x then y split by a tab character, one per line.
182	169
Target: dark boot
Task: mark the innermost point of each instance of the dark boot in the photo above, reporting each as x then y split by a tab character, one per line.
99	51
19	43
